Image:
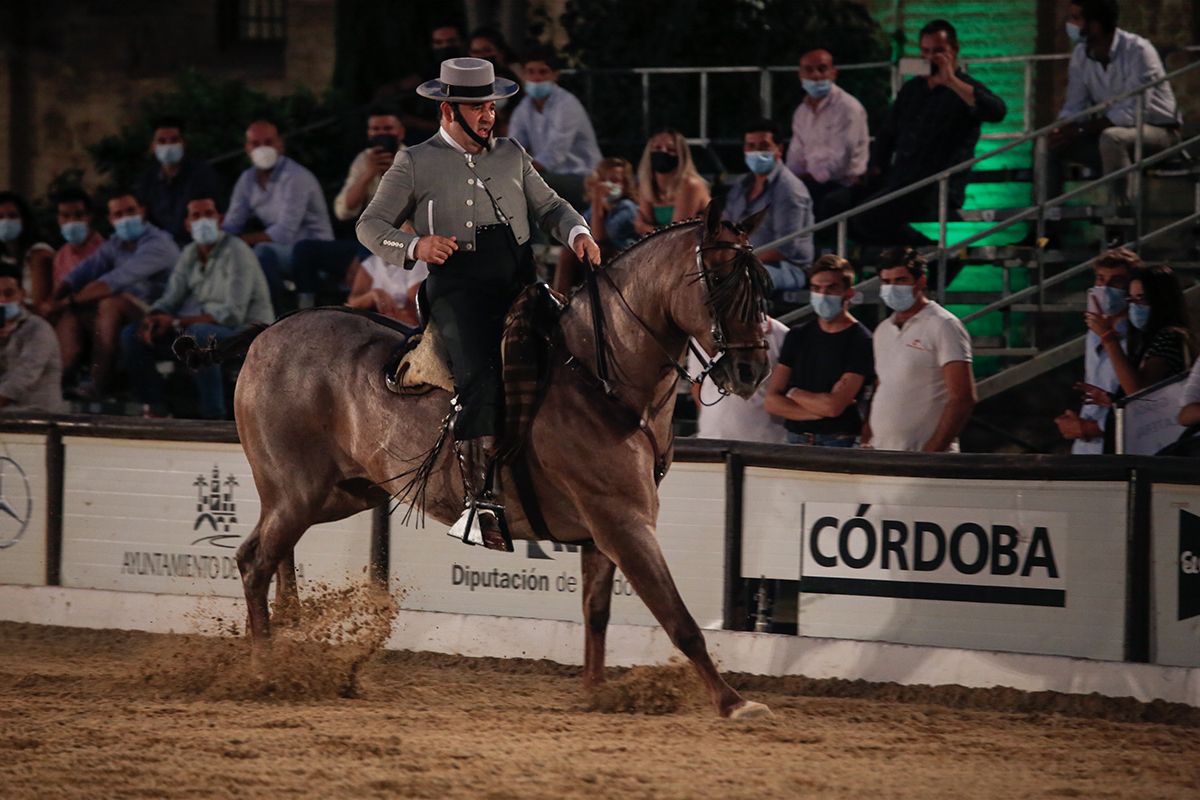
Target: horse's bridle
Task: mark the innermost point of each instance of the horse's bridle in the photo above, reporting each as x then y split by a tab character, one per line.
710	279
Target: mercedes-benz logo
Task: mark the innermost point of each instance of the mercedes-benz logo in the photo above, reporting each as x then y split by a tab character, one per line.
16	502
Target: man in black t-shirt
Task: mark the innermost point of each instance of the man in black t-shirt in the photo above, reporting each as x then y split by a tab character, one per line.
824	365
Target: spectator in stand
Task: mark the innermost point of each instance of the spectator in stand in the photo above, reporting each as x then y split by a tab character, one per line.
825	365
611	213
1108	297
669	188
933	125
554	127
388	290
1189	411
769	187
30	361
385	138
21	247
324	265
830	141
165	187
1161	344
215	288
925	390
276	203
1108	62
731	417
110	289
80	238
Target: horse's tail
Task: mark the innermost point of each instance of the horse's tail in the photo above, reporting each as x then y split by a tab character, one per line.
195	356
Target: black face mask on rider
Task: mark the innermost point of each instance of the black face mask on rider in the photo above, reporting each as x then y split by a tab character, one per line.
662	162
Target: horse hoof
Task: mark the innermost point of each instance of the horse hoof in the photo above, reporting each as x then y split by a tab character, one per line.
750	710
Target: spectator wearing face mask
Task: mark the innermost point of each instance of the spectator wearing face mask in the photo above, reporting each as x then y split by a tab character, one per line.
489	44
1107	297
1161	343
215	288
176	175
1107	62
669	188
30	361
110	289
80	239
553	126
22	248
611	213
770	188
925	389
731	417
830	140
276	203
825	365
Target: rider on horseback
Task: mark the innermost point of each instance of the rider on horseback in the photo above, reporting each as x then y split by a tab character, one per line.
469	197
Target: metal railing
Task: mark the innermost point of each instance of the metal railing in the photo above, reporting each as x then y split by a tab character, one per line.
766	77
1036	211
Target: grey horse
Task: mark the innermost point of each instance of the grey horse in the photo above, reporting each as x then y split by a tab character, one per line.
326	439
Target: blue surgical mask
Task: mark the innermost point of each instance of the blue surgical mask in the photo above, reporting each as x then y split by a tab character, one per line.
10	229
10	310
129	229
1139	316
74	232
539	90
1110	300
1075	34
817	89
897	298
205	231
169	153
760	162
827	306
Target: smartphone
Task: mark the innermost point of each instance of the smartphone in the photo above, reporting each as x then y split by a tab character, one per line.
1094	304
912	65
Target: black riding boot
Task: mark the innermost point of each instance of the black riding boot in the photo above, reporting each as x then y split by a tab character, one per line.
482	521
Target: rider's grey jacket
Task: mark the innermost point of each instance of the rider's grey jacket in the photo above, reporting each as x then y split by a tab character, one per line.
444	191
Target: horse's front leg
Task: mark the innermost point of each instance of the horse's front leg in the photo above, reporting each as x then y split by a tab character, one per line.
635	550
598	570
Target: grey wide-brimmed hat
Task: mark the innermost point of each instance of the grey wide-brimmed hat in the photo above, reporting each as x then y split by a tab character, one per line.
467	80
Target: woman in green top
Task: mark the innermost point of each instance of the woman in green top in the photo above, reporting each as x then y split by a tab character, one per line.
671	190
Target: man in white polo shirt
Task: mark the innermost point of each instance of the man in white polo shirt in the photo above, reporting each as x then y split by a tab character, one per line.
925	390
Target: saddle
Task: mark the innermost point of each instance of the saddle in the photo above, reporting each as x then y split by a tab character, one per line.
421	364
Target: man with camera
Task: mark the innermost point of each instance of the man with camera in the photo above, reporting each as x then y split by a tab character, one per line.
330	267
933	125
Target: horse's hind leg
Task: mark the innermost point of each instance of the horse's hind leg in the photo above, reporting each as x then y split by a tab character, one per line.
258	559
598	572
287	595
638	555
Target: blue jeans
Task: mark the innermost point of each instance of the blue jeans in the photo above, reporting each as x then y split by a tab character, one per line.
319	265
140	358
276	262
823	439
786	277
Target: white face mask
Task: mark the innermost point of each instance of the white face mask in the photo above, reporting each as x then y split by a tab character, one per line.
264	157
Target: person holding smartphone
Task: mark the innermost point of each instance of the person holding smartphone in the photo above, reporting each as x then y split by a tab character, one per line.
1108	300
933	125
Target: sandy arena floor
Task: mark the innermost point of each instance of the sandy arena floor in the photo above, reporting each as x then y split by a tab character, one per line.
116	714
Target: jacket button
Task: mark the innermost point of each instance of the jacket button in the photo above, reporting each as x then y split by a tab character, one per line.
470	181
470	202
470	224
468	246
